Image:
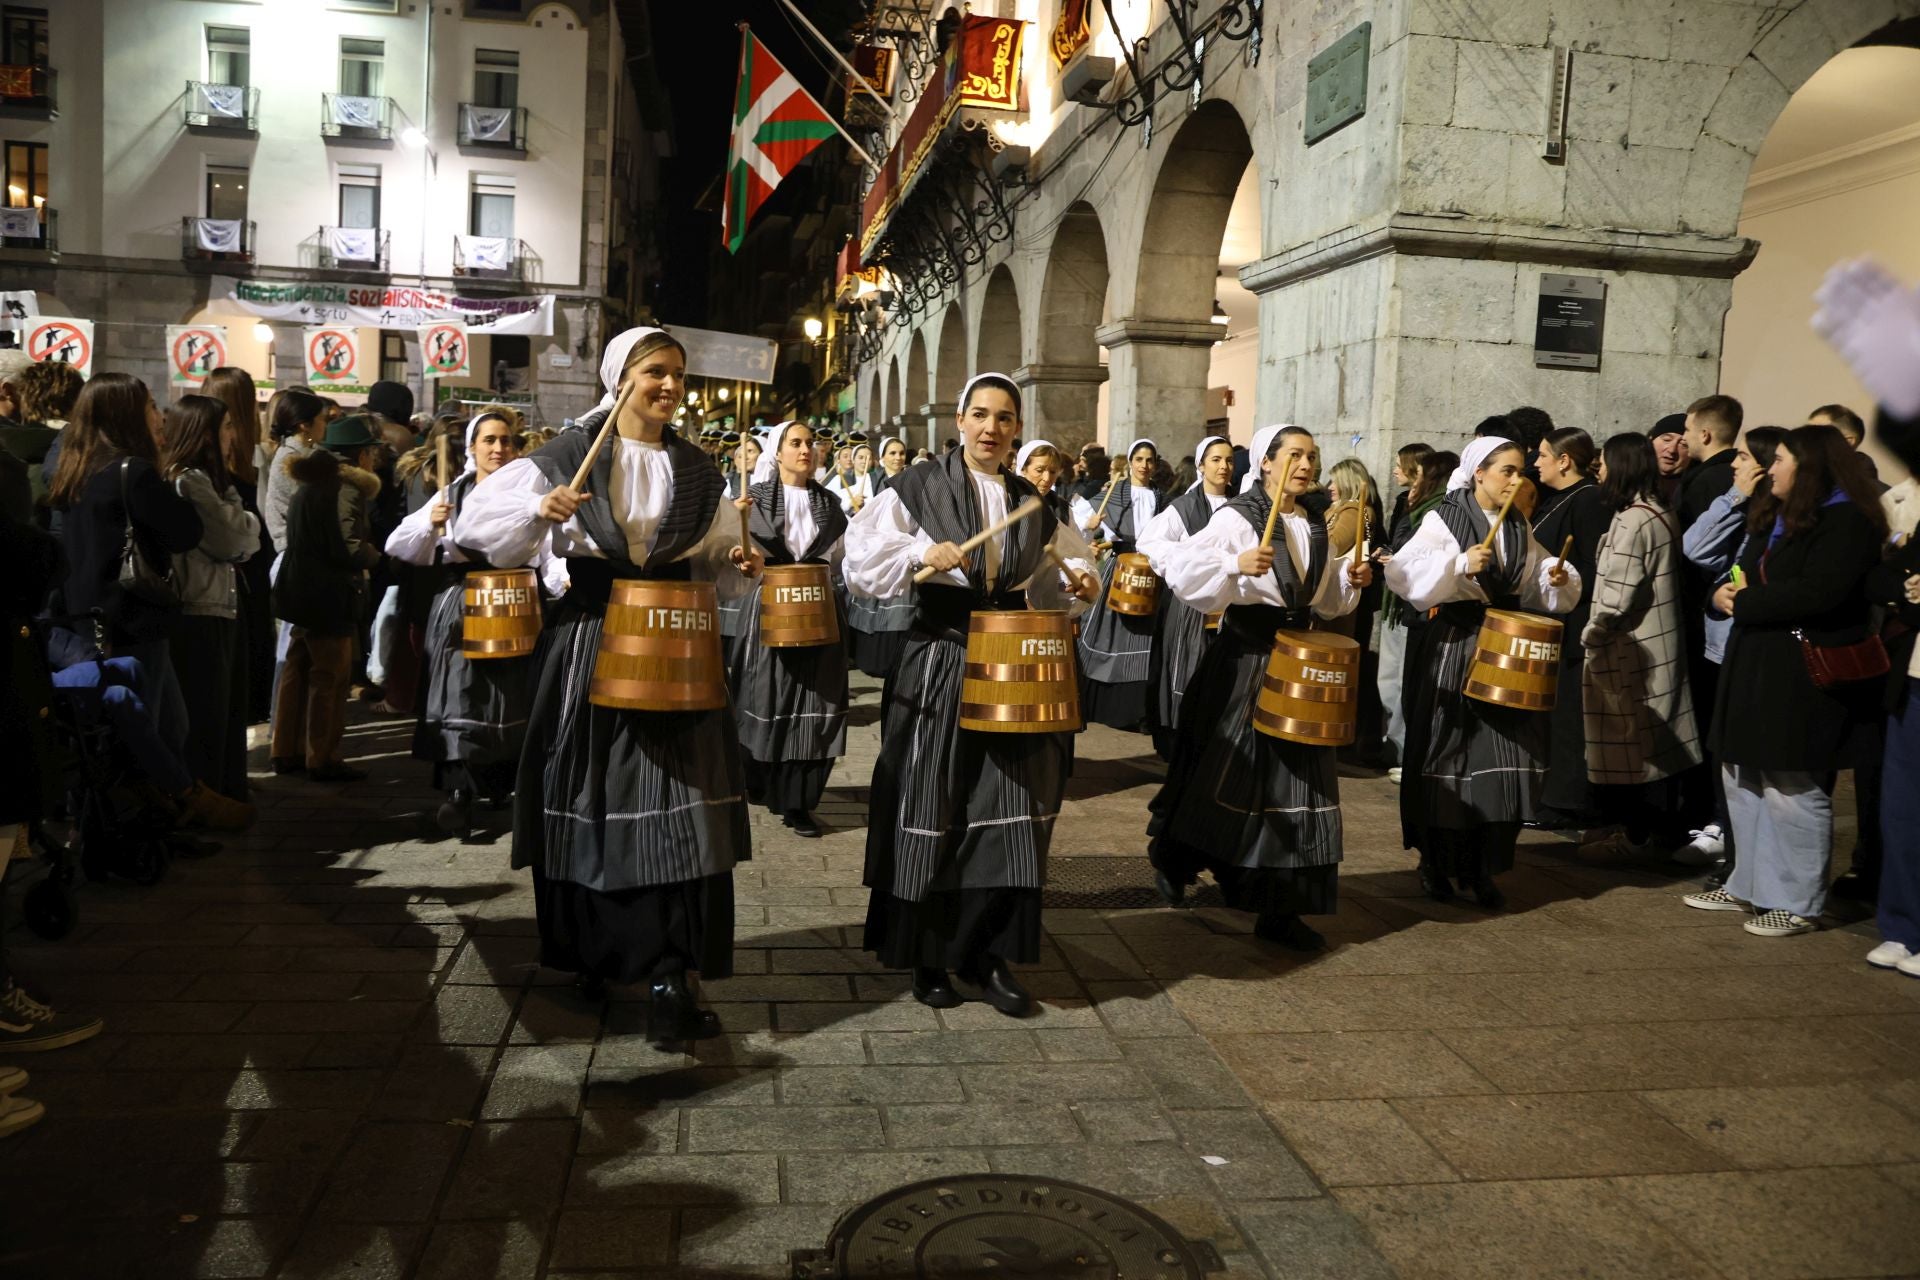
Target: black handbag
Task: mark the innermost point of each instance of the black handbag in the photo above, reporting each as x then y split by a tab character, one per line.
138	577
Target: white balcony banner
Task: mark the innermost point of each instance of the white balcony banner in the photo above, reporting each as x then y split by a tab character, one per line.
373	306
353	244
227	101
486	253
217	235
489	124
356	113
20	224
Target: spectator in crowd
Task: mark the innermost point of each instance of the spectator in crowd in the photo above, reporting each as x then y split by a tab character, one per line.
1640	729
1712	427
206	641
1711	544
46	391
1090	473
1782	726
240	445
297	421
1407	465
1669	436
1572	517
1349	485
117	508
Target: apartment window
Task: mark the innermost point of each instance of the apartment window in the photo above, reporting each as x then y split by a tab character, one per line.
226	192
229	55
492	212
366	6
361	62
393	356
496	78
26	175
23	37
359	195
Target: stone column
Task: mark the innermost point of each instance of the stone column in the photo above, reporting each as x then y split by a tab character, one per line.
912	428
1159	371
1063	402
935	419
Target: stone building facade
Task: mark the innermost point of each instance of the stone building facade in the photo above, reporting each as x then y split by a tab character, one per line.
1401	255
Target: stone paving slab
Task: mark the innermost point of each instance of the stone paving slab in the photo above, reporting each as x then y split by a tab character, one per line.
332	1052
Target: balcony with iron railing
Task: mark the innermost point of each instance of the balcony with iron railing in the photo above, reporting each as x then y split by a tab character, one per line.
35	230
354	249
227	241
28	92
485	128
490	257
346	117
222	108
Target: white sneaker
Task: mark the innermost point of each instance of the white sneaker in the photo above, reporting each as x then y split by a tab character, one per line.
1393	775
1715	900
1888	955
17	1113
13	1079
1910	966
1707	846
1779	923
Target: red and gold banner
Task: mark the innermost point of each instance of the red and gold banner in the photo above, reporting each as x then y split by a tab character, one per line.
877	65
16	82
988	65
1071	33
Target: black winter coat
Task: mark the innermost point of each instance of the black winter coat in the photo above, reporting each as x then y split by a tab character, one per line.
32	777
1768	714
315	587
93	530
1887	587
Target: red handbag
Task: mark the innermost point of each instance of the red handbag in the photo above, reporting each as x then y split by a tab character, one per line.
1832	664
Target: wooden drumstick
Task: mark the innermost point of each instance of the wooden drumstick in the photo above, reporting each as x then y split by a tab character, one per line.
1360	533
1565	548
1273	514
1498	520
1061	565
440	471
741	504
599	441
1113	479
993	530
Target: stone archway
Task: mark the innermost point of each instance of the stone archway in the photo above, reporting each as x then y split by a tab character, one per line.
912	420
950	369
1160	355
997	347
1064	380
867	408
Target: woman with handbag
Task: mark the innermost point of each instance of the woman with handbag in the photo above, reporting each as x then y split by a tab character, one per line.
1802	675
122	524
207	641
1639	725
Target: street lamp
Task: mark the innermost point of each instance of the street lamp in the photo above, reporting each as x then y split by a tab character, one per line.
726	393
812	327
263	333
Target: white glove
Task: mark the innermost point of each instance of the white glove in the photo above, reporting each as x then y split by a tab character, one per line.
1874	325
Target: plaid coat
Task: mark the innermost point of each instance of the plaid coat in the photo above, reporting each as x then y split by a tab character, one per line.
1639	716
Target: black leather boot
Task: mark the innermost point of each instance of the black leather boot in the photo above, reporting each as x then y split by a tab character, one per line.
675	1016
999	988
456	812
932	987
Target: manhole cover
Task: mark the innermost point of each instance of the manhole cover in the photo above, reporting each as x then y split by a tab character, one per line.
1112	884
990	1225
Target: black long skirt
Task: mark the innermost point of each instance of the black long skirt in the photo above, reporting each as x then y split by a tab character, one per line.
954	928
784	785
635	935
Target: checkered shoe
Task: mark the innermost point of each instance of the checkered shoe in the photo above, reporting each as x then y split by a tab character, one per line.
1780	924
1715	900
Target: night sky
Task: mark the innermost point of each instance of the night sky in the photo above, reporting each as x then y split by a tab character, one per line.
698	51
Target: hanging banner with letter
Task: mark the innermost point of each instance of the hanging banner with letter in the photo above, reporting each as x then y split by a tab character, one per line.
193	352
443	350
333	360
62	339
374	306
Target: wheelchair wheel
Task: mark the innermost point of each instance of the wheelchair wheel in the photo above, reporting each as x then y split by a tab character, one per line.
145	861
50	910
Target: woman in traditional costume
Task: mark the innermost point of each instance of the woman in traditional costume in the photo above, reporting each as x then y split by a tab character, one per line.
1115	648
1183	635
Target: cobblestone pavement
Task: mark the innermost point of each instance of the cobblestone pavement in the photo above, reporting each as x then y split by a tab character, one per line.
330	1053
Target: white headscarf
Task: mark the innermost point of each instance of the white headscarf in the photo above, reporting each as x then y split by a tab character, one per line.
473	429
1026	451
769	464
1200	456
966	392
1258	450
1473	457
615	360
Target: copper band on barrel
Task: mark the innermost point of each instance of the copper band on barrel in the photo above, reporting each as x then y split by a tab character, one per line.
472	611
1308	653
1532	666
658	646
1035	671
1022	713
513	644
1528	627
1018	622
663	694
1309	692
1316	730
1213	621
1499	695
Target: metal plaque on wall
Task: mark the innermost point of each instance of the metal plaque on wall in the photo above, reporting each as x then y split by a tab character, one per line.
1337	83
1571	321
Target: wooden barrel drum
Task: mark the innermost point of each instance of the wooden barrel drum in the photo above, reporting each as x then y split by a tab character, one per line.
1311	691
1135	588
797	607
660	648
501	614
1517	663
1020	675
1212	622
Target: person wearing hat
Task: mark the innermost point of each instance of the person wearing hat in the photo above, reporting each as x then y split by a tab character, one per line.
320	592
1669	436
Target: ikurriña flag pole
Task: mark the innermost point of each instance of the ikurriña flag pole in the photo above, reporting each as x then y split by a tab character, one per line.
776	125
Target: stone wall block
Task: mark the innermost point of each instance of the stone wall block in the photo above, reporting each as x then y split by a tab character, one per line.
1637	390
1626	28
1636	188
1426	82
1746	109
1671	101
1700	317
1495	21
1797	46
1642	310
1466	299
1715	187
1598	100
1716	34
1536	190
1420	399
1848	21
1500	86
1453	170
